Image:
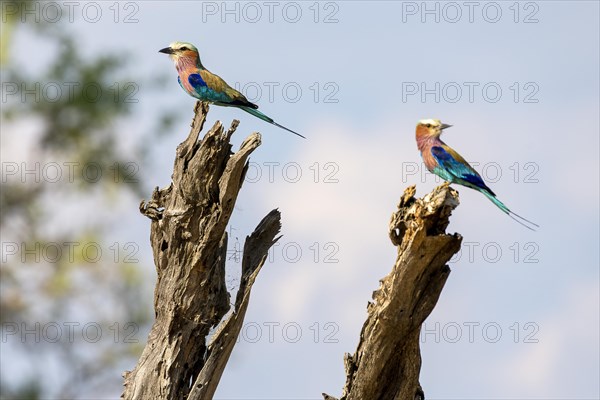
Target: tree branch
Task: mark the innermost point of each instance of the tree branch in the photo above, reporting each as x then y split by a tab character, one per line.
189	243
255	253
387	362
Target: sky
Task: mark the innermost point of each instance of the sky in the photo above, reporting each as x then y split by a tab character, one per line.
519	81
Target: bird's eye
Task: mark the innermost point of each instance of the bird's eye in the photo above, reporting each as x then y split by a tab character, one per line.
184	48
428	125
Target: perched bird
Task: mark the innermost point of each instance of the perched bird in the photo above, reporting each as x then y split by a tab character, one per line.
446	163
202	84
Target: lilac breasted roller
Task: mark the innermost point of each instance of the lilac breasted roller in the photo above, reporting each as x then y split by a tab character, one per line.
442	160
202	84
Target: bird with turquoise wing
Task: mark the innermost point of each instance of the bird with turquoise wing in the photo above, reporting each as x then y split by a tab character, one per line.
202	84
445	162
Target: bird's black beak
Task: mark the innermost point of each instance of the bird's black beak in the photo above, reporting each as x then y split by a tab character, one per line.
444	126
166	50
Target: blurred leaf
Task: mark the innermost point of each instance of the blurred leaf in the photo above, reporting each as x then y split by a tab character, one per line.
81	126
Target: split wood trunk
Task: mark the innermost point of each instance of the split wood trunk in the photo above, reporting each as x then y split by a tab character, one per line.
189	243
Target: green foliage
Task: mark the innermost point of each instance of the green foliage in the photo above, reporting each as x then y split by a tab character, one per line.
72	129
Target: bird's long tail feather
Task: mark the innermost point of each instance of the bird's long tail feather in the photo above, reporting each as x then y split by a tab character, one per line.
525	222
262	116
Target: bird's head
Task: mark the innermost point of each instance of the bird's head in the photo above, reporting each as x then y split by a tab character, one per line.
430	128
181	50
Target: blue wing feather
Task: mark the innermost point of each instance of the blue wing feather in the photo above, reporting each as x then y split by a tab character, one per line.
459	169
196	81
204	92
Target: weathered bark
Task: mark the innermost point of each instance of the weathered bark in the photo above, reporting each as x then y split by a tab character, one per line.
189	243
387	362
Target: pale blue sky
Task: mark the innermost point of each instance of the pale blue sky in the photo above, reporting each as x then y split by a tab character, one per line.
367	57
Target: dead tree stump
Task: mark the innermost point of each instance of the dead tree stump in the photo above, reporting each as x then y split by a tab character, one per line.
189	244
387	362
